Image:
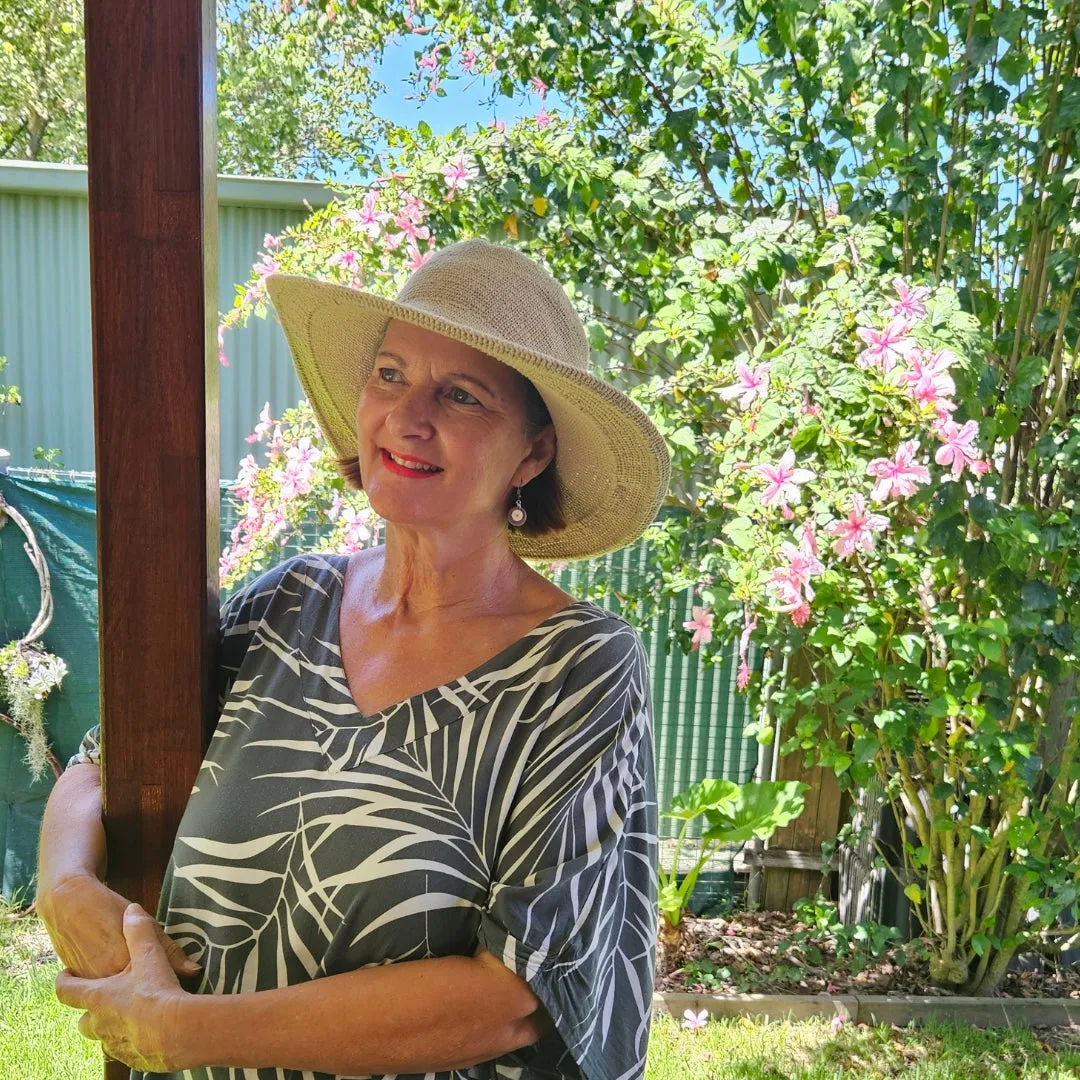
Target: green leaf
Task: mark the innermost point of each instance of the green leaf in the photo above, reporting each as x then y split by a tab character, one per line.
1038	596
992	649
651	164
979	944
685	85
758	809
701	796
685	438
740	531
913	893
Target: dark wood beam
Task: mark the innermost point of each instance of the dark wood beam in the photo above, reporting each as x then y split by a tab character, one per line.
152	138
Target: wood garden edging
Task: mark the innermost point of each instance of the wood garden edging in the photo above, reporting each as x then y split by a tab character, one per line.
878	1008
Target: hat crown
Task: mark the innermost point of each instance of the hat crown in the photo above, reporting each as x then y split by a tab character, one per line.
500	293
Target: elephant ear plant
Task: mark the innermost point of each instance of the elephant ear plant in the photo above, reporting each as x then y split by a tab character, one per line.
733	814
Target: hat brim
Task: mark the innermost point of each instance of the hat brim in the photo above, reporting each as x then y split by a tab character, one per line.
612	464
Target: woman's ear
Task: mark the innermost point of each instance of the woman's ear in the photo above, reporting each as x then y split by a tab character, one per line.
539	457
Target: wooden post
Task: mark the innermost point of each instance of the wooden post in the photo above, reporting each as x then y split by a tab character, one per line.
152	163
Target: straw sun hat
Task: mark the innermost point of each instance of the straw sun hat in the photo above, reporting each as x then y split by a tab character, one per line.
611	463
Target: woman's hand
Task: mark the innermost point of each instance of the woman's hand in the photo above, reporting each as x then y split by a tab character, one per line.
134	1014
85	920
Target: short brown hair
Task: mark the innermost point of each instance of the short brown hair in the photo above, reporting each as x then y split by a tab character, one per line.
541	497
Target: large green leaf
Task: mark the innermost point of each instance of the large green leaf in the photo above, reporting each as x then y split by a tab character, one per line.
757	809
701	797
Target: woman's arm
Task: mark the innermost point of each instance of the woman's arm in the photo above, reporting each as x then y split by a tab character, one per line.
72	841
418	1016
83	916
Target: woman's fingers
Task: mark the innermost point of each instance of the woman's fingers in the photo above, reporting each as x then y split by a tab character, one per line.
177	958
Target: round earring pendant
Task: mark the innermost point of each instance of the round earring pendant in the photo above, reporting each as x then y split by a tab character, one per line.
517	516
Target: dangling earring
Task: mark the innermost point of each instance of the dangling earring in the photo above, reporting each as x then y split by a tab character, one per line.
517	515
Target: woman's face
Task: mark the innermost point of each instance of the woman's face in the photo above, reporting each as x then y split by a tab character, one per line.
433	401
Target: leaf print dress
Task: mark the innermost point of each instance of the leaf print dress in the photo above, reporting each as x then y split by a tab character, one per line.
513	807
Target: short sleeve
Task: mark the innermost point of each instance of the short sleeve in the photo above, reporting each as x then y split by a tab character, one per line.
573	905
89	752
238	620
238	617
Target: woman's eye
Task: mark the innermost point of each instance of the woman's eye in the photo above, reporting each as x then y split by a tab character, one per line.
463	397
388	374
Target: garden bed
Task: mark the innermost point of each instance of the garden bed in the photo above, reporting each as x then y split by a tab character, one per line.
772	953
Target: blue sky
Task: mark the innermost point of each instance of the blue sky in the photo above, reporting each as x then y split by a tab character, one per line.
464	102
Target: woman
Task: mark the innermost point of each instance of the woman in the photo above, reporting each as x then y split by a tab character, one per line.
423	839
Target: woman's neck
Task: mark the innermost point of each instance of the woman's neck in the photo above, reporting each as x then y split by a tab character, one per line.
419	576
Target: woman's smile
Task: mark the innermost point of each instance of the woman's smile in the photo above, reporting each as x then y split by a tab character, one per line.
405	465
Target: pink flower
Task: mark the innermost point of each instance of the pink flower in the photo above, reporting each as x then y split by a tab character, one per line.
458	175
393	175
898	477
266	265
405	221
298	476
347	259
929	379
416	257
498	125
832	208
885	347
857	530
695	1021
270	242
538	85
367	219
701	624
266	422
742	677
958	450
910	305
753	384
468	60
222	358
783	480
543	118
356	533
429	61
335	507
742	680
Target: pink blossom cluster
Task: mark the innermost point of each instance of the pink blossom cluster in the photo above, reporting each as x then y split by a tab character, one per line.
790	581
925	374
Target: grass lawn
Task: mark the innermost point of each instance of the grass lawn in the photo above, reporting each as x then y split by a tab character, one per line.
39	1039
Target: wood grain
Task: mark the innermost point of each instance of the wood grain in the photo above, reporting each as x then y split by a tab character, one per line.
151	132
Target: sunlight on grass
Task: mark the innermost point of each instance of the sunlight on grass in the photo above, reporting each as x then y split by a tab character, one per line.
39	1039
750	1050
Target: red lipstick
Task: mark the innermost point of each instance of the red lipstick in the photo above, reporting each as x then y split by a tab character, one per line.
404	470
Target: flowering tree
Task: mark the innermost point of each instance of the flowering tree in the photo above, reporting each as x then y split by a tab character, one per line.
843	240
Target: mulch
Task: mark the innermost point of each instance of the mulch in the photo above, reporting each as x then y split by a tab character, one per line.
746	951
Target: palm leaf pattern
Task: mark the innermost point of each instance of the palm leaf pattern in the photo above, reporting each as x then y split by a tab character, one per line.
514	806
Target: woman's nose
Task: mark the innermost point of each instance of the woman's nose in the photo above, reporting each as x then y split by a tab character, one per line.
411	415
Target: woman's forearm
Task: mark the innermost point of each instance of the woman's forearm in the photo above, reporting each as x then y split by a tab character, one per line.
418	1016
72	839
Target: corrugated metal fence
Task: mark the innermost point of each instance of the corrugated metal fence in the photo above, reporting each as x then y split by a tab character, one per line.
45	309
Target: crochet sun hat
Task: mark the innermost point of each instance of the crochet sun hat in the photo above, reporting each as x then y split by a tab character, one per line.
611	463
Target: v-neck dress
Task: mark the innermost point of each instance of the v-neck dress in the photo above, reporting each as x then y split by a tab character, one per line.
513	807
